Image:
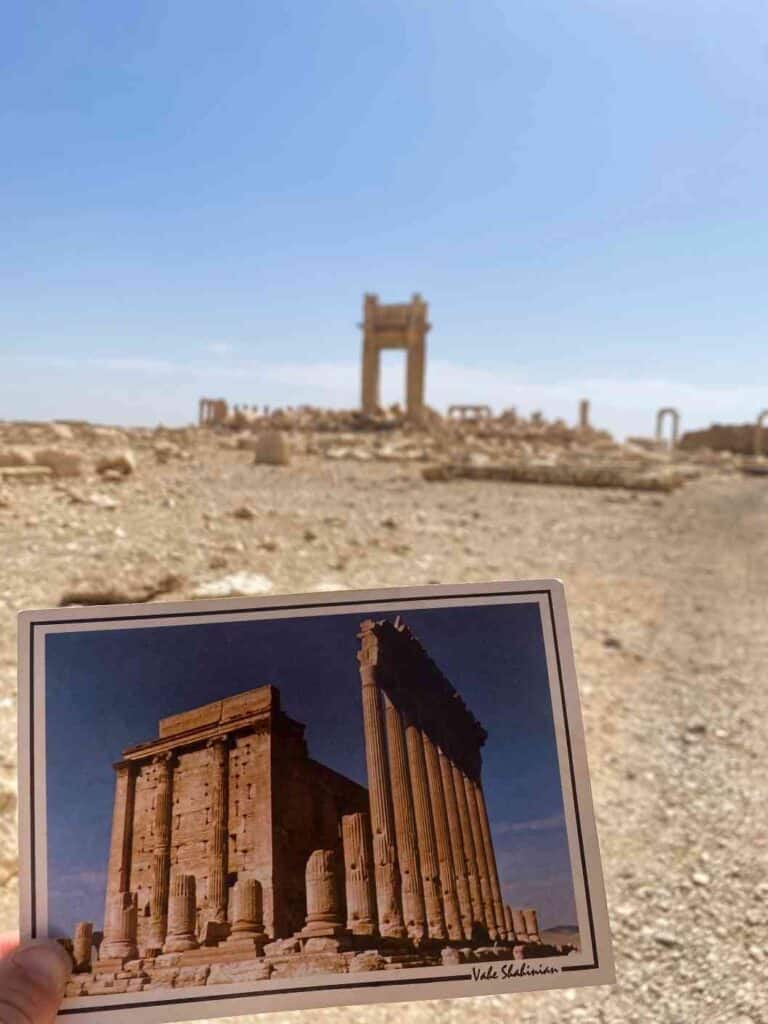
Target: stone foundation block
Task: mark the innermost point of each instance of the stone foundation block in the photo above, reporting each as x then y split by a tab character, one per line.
191	976
371	960
228	974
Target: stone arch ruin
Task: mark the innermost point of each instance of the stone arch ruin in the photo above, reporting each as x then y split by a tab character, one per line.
400	325
660	417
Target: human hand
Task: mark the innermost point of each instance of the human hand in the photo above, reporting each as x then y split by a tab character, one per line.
33	977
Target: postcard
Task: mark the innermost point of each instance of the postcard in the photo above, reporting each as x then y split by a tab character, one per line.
281	803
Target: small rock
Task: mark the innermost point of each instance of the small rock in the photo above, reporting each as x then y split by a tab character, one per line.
244	512
389	523
613	642
700	878
666	940
102	501
310	535
238	584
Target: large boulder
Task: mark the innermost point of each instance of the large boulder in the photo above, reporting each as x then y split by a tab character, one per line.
15	457
123	462
272	448
61	461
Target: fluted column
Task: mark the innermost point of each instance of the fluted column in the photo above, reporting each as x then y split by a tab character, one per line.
247	935
508	926
457	846
82	943
217	856
182	915
473	873
161	855
323	903
382	816
442	841
119	864
120	923
531	919
358	871
490	856
518	926
482	863
405	825
428	860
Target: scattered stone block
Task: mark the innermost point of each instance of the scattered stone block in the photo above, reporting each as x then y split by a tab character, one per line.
272	449
121	462
61	461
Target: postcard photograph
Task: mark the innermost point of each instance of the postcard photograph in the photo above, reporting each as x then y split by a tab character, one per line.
340	798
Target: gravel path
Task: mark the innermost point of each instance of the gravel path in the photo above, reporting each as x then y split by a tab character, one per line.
669	605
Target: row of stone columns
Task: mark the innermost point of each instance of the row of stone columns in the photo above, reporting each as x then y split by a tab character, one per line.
212	410
434	864
120	926
119	870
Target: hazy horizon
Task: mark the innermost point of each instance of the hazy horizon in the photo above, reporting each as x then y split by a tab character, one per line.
194	203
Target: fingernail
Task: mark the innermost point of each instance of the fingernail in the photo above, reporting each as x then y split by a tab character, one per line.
45	962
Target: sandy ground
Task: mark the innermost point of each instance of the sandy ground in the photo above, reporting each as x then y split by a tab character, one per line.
669	605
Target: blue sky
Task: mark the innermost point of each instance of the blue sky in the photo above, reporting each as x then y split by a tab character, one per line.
195	197
106	690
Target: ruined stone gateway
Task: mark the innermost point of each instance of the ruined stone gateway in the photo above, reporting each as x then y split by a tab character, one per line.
234	855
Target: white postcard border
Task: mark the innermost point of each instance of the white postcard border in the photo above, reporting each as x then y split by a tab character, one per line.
593	964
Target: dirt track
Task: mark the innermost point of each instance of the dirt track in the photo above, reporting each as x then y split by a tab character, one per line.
669	601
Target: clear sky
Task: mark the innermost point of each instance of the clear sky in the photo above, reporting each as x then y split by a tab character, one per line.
195	197
106	690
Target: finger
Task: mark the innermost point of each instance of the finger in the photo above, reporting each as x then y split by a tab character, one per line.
8	942
32	983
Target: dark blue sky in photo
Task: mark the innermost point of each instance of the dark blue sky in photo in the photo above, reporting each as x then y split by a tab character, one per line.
106	690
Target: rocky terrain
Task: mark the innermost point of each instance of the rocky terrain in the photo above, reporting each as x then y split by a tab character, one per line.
668	590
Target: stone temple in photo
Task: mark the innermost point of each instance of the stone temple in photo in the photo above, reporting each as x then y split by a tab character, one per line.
235	856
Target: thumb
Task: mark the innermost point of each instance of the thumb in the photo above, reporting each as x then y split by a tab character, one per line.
32	982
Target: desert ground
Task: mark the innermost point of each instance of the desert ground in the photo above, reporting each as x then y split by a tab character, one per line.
668	595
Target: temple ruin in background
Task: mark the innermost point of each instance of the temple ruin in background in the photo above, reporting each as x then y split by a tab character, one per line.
399	326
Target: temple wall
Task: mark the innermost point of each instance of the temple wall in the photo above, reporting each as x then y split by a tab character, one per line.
250	815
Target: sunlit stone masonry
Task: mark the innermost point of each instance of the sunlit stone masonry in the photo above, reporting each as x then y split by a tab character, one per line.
232	847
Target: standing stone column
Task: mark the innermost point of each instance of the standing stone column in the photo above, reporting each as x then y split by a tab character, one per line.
323	903
518	926
380	796
443	841
428	861
473	873
119	864
457	846
358	864
82	942
247	935
120	927
217	855
405	824
532	925
490	856
508	925
161	856
482	863
182	915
